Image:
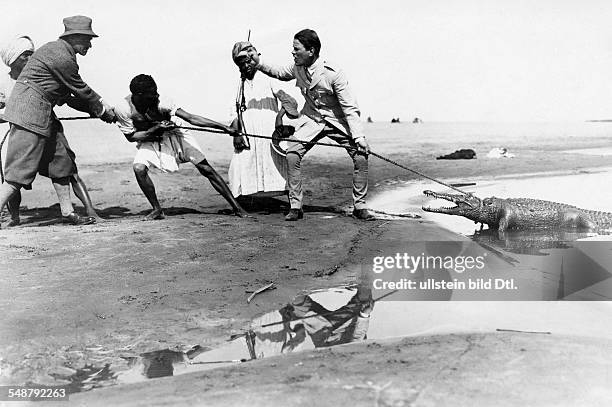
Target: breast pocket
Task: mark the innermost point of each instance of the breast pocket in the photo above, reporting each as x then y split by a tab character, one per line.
324	96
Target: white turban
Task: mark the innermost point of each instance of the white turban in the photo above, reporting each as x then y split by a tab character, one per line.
11	51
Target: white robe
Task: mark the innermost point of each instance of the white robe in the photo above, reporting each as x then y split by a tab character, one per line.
259	170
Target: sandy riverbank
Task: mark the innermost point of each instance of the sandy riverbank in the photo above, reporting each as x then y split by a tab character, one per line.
88	295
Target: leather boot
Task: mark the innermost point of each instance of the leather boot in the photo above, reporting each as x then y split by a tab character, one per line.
294	214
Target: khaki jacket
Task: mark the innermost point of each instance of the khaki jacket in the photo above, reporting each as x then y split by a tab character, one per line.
327	95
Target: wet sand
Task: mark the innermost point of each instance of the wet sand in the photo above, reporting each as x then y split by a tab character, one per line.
94	294
497	369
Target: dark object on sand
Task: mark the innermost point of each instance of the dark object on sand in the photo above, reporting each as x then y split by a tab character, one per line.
521	213
394	120
417	120
370	120
463	154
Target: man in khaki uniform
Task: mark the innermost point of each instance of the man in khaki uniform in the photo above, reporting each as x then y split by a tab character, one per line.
329	110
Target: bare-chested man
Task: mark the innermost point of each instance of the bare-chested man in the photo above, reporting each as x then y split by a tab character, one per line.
150	120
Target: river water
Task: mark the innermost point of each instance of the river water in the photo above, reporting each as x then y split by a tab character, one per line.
587	190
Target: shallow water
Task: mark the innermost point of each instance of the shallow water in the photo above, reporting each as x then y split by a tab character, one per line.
527	251
592	151
404	318
588	190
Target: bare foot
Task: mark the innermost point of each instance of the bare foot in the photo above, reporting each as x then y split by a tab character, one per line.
94	214
155	214
242	214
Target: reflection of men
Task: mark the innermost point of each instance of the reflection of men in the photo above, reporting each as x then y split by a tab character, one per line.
37	142
319	319
329	110
144	117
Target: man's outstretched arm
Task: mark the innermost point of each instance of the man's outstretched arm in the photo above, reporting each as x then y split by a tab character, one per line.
284	73
201	121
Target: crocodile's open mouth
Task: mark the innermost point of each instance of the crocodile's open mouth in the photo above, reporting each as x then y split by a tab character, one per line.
461	203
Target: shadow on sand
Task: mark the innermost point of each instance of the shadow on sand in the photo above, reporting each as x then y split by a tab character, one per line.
267	206
37	217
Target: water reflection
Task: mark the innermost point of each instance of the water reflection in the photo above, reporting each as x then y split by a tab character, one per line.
319	319
316	319
88	377
534	243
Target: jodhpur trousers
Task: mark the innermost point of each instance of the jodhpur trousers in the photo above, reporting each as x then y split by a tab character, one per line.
309	130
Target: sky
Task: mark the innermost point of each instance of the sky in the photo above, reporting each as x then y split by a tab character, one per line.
439	60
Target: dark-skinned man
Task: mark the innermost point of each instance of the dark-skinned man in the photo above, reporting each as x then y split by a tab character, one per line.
151	121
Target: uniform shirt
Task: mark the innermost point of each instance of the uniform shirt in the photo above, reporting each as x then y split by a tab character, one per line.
326	93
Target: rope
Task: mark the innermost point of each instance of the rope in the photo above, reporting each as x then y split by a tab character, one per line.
76	118
318	143
417	172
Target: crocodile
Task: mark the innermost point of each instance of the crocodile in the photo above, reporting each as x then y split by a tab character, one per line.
521	213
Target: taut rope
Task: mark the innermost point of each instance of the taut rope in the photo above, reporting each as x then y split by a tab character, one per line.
318	143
